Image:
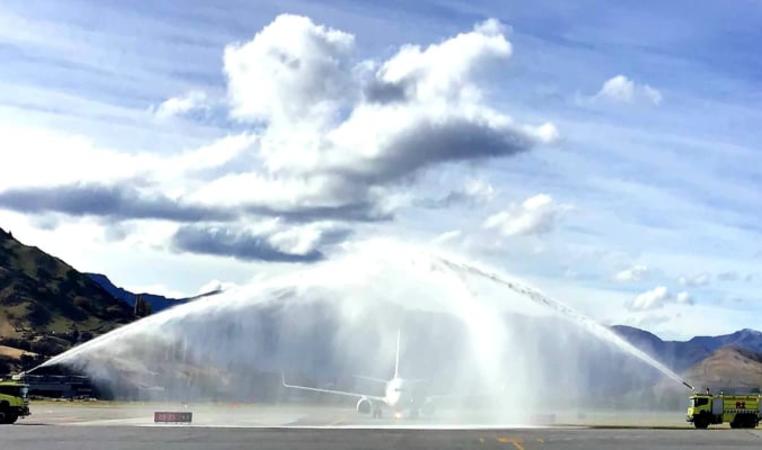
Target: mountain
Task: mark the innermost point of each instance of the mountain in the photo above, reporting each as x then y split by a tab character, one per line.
726	362
157	302
728	368
46	306
744	339
681	355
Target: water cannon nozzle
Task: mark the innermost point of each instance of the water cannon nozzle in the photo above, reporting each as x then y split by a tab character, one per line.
688	385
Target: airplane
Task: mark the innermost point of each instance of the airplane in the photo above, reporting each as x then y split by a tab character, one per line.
399	396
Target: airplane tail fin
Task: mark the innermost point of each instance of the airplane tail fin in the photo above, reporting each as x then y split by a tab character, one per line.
397	356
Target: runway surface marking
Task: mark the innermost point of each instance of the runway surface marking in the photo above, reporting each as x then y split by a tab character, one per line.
516	442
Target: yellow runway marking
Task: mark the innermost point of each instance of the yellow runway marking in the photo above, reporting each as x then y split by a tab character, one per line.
509	440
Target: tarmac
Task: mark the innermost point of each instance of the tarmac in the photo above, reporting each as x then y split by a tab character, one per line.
82	426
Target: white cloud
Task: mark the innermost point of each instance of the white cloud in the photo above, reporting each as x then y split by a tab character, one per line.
78	159
536	215
621	89
632	274
337	131
271	241
447	237
684	298
479	190
178	106
43	158
445	70
332	137
701	279
292	69
657	298
302	240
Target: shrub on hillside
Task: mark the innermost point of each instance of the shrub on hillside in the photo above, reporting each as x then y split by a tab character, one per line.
38	315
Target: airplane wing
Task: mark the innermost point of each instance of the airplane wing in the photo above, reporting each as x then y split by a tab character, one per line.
373	379
330	391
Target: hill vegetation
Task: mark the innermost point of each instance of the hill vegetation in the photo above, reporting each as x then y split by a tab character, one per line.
46	306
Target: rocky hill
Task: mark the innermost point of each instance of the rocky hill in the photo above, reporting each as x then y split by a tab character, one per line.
46	306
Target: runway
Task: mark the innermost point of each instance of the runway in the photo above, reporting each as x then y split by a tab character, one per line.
44	437
83	426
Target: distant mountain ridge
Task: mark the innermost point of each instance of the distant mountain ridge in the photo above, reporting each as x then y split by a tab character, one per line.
726	362
157	302
681	355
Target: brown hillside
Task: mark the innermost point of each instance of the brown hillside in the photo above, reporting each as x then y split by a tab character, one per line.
728	367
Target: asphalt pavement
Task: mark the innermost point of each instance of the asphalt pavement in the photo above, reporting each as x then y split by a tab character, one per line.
78	437
130	426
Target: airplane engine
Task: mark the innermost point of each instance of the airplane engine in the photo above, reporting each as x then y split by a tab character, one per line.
364	406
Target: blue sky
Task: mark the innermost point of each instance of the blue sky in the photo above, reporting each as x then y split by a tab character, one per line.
131	133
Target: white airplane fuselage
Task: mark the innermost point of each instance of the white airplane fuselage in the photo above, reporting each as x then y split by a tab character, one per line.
398	394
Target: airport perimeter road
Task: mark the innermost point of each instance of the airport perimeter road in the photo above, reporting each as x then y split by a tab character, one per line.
44	437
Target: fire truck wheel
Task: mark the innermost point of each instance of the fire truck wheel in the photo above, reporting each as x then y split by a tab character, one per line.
701	422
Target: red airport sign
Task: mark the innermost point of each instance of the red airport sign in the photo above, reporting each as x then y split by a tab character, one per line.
172	417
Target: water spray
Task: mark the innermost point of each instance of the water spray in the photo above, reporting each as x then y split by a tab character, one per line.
212	339
571	315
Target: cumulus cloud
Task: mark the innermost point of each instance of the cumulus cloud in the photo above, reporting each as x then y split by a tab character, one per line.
338	131
536	215
701	279
620	89
291	69
632	274
181	105
331	138
323	144
656	298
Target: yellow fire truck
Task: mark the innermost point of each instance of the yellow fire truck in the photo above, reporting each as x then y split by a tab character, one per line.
740	411
14	402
